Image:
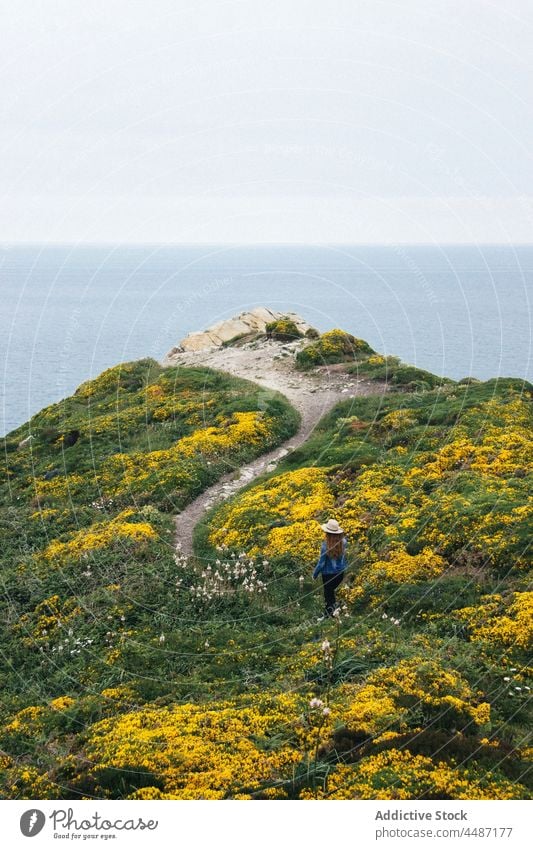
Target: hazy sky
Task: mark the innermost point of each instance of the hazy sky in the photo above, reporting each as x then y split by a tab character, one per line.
278	120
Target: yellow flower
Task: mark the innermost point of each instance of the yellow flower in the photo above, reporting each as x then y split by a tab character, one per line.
97	536
399	774
498	624
388	695
280	517
62	703
198	751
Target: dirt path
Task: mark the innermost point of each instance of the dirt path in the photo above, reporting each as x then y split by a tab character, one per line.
271	366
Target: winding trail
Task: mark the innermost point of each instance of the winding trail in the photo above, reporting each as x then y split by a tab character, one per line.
270	365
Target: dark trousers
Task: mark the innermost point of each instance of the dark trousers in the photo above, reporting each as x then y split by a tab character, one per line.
331	582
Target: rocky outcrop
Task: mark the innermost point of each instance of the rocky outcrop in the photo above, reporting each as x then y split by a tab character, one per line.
244	325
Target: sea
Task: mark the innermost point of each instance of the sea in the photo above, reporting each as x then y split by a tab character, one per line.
68	312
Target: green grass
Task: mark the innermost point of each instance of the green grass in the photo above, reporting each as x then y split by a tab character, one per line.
132	409
109	607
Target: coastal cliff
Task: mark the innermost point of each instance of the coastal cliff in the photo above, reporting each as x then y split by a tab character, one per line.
246	326
159	618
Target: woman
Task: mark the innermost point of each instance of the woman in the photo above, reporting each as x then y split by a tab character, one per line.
331	563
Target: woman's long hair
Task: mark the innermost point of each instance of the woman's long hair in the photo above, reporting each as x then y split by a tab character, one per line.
334	545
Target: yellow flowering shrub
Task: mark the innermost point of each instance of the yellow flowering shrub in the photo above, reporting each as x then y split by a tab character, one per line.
207	432
398	420
196	751
399	774
46	620
467	492
122	695
496	413
283	515
448	506
283	329
499	453
403	567
389	694
371	708
63	486
243	428
62	703
28	720
333	346
97	536
173	467
501	624
110	380
27	782
44	515
294	500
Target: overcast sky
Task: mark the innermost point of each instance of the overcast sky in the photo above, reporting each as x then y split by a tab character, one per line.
273	121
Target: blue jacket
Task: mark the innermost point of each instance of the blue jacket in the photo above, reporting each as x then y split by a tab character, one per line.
328	565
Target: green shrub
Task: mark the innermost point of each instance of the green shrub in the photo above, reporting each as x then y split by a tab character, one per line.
283	329
112	628
397	374
335	346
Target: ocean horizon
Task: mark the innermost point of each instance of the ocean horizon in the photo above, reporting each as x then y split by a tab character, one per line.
71	311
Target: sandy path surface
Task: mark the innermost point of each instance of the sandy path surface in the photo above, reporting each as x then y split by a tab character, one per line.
271	366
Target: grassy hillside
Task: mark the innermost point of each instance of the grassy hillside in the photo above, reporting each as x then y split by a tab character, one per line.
89	576
134	673
427	679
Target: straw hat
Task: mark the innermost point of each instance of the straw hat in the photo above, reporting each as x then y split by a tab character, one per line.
332	527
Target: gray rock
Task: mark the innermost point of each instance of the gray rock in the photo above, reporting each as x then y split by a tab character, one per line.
29	439
252	321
